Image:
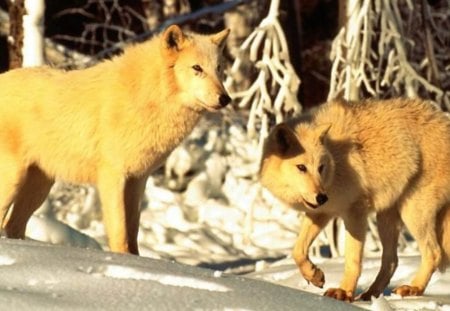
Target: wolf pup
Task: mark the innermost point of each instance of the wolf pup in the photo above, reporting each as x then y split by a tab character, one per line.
389	157
110	125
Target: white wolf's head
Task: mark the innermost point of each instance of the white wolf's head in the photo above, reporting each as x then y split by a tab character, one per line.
198	66
297	166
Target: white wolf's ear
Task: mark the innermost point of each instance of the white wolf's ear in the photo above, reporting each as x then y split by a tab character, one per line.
173	38
220	37
283	142
322	130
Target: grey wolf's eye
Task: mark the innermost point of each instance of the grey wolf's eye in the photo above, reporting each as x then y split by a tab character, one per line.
321	167
197	68
302	168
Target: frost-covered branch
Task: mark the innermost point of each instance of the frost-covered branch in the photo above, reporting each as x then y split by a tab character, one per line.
106	23
179	19
393	48
273	90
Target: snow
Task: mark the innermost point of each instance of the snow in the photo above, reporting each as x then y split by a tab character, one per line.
40	276
205	209
437	294
37	276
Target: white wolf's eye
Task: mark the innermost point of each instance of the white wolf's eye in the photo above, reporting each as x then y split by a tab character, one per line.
302	168
197	68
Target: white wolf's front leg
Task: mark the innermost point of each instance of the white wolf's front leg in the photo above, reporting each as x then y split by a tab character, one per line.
311	226
134	190
355	224
111	186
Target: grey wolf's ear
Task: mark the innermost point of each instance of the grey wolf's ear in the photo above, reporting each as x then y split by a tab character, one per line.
173	38
220	37
322	130
283	142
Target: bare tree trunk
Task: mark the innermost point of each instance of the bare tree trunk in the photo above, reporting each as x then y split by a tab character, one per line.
16	10
26	33
291	24
343	13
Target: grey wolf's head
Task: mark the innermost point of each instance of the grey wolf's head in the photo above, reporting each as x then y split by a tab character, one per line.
297	166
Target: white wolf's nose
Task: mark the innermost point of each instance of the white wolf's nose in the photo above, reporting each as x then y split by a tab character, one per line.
321	198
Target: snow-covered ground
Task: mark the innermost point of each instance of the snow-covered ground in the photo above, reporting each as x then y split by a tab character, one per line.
437	295
205	208
36	276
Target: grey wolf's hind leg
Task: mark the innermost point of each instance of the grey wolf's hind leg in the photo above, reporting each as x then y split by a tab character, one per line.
421	223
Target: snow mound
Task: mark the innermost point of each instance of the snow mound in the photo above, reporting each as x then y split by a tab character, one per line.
123	272
43	277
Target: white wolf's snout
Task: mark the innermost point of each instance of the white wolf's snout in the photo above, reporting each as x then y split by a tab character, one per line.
212	95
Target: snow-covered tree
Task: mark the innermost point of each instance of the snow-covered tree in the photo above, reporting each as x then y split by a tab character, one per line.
272	94
392	48
33	33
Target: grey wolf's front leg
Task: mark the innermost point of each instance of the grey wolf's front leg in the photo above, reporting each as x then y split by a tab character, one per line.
389	225
311	226
355	224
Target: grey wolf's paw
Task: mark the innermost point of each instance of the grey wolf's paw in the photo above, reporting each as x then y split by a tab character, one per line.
367	296
339	294
407	290
317	278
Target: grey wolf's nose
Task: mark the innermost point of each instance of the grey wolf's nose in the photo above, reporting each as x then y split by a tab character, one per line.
224	100
321	198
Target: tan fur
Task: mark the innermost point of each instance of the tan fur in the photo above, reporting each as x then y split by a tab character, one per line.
109	125
389	157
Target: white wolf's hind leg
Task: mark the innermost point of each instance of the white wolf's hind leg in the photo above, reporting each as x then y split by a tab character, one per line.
11	176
